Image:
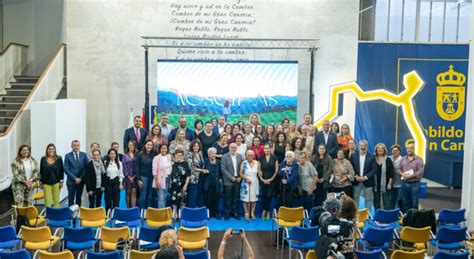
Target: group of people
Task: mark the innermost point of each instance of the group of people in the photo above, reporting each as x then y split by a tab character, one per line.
245	161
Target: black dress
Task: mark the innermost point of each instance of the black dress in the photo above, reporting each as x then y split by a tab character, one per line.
212	187
268	170
221	150
207	141
178	179
279	152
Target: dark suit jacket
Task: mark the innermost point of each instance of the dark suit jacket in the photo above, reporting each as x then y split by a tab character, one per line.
74	169
189	134
227	168
130	135
331	146
215	129
370	168
89	178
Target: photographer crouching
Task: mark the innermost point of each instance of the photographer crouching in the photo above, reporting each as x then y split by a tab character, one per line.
336	221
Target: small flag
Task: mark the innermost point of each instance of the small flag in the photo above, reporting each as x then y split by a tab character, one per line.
143	119
155	120
130	121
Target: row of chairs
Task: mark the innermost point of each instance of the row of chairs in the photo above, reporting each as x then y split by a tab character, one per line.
131	254
381	229
97	217
146	238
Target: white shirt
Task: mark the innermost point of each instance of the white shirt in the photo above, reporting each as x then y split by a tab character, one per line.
27	165
326	137
221	129
361	164
234	162
242	149
113	171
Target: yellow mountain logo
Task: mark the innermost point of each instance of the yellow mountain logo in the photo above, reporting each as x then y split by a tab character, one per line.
450	94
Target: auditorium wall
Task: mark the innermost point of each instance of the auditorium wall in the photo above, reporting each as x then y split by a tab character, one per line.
106	60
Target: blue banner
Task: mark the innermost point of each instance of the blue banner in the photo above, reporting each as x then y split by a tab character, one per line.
440	106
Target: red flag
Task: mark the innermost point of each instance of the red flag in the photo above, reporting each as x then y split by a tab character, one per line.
143	118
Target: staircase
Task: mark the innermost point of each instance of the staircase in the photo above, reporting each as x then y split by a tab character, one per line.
13	99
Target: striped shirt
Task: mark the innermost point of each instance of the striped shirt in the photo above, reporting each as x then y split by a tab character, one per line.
416	164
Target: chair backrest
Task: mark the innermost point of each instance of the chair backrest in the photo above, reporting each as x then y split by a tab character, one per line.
203	254
58	255
35	235
363	215
113	235
304	235
7	233
375	254
78	235
148	234
291	214
92	214
58	214
29	212
109	255
451	235
446	255
415	235
400	254
193	234
311	255
160	215
378	235
452	216
19	254
136	254
387	216
126	214
194	214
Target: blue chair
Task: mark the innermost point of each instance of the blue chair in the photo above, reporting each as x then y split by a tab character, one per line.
385	218
78	238
449	238
148	238
94	255
129	217
453	218
301	238
307	220
19	254
203	254
194	217
375	254
446	255
8	239
377	238
59	217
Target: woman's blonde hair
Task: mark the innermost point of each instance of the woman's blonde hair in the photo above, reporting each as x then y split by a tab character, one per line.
168	238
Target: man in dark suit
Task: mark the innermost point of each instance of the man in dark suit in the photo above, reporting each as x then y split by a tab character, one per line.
328	138
74	165
182	125
230	166
135	133
219	128
365	168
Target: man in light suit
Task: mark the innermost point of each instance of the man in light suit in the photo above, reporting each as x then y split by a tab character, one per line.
74	165
182	124
328	138
165	127
365	167
230	166
135	133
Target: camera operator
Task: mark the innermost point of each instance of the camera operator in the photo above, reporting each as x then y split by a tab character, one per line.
228	234
335	219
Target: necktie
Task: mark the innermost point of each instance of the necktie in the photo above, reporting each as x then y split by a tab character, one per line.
75	156
137	134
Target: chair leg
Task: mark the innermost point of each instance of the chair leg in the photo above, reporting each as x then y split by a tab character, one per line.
289	251
278	237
